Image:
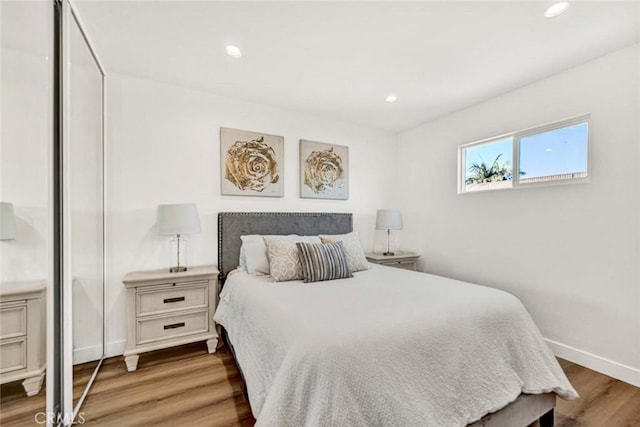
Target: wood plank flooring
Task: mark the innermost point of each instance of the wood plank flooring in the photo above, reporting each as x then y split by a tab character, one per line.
180	386
604	401
186	386
17	409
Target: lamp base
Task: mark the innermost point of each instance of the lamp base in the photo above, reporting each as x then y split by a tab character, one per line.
177	269
388	253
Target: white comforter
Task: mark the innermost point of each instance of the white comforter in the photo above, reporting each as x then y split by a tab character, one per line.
386	348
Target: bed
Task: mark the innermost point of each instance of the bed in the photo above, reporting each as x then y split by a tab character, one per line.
386	347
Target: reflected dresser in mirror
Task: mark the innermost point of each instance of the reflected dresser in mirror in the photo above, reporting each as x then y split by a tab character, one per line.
22	334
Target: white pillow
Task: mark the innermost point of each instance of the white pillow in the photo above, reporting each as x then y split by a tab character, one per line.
242	261
353	248
255	253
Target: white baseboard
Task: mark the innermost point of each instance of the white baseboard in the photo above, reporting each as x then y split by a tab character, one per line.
87	354
94	352
115	348
600	364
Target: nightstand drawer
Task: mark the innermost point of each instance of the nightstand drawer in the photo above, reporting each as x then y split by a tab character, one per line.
407	265
167	327
14	355
167	298
13	319
403	260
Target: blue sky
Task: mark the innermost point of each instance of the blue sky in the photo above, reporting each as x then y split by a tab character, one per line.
555	152
550	153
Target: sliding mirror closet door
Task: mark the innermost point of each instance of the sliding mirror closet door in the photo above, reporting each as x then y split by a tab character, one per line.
26	72
83	233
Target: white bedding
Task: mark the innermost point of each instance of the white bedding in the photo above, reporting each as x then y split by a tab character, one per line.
388	347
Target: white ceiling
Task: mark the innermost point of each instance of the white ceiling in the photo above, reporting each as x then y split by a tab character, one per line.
341	59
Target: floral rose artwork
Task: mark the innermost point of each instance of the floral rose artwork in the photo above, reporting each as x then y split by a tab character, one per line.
251	165
323	171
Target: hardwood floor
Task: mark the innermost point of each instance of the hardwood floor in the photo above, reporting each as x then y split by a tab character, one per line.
179	386
603	401
17	409
187	386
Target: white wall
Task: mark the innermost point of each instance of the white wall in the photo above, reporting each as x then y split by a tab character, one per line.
569	252
163	147
25	135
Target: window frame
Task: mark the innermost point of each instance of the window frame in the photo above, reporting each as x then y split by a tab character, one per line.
515	141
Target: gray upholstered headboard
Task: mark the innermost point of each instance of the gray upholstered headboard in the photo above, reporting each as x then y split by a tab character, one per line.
232	225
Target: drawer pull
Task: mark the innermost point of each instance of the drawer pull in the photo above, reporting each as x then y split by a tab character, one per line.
175	299
174	325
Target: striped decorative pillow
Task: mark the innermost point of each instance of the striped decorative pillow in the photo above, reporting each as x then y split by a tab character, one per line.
323	261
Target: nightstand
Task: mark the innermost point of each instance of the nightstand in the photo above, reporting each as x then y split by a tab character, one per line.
168	309
22	334
405	260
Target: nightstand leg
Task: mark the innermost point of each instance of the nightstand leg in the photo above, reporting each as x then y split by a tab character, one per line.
212	345
132	362
32	385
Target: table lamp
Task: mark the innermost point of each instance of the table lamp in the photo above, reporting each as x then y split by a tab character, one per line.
388	219
7	222
178	220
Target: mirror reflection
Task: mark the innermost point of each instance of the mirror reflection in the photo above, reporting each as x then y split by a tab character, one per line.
85	208
25	141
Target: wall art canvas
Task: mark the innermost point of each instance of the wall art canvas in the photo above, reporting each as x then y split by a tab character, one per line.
324	170
251	163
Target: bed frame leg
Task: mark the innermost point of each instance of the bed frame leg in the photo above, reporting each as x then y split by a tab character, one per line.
547	420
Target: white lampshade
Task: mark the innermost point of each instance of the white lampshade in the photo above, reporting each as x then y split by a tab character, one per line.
388	219
7	222
178	219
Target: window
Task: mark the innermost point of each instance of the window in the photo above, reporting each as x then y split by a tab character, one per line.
553	153
487	165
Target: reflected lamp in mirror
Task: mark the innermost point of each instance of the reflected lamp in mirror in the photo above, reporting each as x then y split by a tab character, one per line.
7	222
178	220
388	219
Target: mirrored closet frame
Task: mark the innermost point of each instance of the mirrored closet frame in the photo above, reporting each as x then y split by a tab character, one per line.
60	343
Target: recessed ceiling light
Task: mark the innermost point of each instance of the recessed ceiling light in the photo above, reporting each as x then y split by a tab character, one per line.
391	98
548	150
233	51
556	9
